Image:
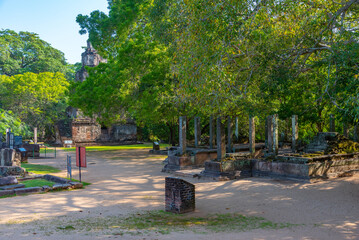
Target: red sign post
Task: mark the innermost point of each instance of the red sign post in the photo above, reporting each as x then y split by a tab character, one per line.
80	158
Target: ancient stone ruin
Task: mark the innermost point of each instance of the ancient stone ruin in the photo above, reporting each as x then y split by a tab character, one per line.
329	154
84	130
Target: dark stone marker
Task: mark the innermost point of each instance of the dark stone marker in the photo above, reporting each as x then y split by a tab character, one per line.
229	134
197	131
294	132
221	140
182	135
332	123
252	135
179	195
156	146
211	133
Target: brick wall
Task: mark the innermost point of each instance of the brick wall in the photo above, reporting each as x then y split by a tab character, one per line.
179	195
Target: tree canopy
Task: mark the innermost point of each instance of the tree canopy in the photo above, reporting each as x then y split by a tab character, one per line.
227	58
37	99
25	52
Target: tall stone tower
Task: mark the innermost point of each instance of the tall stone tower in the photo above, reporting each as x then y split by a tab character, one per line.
90	58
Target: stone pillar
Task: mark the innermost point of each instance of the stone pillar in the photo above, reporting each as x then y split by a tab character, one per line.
229	134
182	135
252	135
197	131
221	140
332	123
294	132
35	135
356	132
345	129
8	131
211	133
237	129
269	133
275	133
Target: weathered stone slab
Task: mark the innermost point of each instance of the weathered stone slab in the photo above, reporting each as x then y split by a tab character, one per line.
55	179
76	184
28	190
6	192
8	181
11	187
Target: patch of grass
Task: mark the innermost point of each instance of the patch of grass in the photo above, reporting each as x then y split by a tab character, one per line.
37	183
165	223
39	169
114	148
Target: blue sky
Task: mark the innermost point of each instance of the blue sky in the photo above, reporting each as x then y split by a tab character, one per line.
53	20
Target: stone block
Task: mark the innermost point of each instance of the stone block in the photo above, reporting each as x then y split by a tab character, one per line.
55	179
8	181
19	191
6	192
46	188
179	195
76	184
12	187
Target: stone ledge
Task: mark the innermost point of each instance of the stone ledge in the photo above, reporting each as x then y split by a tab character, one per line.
27	190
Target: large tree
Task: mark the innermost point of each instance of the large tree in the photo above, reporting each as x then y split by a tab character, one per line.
25	52
36	99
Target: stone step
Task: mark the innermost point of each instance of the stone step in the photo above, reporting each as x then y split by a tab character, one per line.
11	187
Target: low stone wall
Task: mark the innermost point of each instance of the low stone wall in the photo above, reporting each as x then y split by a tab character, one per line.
195	158
306	171
61	183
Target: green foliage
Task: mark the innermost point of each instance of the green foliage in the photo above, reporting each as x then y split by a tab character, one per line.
8	120
37	99
25	52
200	57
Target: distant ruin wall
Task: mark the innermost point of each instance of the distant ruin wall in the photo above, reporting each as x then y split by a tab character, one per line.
84	132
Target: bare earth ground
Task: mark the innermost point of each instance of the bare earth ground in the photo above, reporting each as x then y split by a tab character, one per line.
131	181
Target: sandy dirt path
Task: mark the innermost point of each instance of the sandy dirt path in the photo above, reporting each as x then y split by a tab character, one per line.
131	181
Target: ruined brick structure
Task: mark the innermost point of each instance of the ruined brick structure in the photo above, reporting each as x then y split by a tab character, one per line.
85	130
180	195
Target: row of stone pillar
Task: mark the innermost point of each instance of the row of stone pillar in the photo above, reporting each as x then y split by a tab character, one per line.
271	134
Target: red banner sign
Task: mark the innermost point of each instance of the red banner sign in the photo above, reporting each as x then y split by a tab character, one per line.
81	157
